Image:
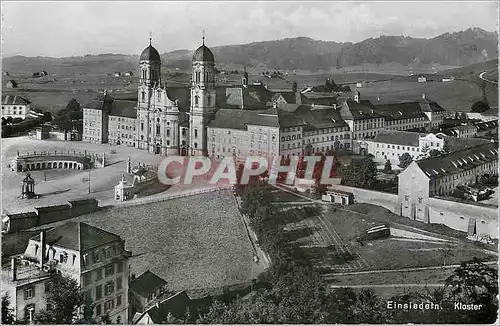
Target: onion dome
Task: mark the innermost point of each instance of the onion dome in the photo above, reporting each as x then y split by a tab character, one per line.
203	54
150	54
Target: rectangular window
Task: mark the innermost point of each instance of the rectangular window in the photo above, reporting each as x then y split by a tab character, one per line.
109	270
109	288
118	300
29	293
96	257
98	291
107	305
98	310
120	267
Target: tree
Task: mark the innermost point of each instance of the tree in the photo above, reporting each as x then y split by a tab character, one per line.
479	107
64	298
405	160
7	312
388	167
475	283
446	146
359	173
434	153
73	105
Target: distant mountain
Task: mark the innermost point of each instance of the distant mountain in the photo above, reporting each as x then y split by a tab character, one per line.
455	49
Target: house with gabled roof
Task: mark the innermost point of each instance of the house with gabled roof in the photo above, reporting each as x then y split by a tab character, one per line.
439	176
95	258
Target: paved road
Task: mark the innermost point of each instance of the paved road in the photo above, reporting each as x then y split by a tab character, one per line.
371	286
413	269
481	76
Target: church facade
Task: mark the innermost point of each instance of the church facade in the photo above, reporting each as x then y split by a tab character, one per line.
159	119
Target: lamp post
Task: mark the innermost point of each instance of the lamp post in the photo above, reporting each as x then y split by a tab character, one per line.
89	181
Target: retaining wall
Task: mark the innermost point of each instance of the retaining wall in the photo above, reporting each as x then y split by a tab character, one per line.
452	214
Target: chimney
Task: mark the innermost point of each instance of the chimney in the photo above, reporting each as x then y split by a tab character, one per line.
42	248
298	97
14	268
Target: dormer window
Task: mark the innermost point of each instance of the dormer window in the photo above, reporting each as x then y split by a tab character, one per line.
63	257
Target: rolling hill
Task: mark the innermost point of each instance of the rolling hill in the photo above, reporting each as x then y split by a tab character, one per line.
302	53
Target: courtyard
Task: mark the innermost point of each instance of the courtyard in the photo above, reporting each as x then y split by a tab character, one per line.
69	184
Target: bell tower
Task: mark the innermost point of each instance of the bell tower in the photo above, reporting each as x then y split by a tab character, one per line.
202	99
149	78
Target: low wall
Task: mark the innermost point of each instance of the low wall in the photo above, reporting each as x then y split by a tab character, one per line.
457	216
58	135
452	214
49	214
386	200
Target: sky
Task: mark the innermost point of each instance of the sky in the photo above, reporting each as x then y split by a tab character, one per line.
71	28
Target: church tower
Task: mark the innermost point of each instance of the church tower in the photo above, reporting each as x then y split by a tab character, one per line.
202	99
149	78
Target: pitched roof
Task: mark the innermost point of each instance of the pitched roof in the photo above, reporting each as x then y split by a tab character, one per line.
397	111
175	304
239	119
398	138
362	110
289	119
147	283
14	100
456	162
317	117
78	236
458	144
101	102
124	108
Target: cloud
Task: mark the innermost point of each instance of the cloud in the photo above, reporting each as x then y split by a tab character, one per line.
77	28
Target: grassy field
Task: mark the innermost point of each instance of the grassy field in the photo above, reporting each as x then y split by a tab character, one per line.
328	241
191	242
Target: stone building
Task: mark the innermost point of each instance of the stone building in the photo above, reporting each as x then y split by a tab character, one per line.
15	106
95	258
440	175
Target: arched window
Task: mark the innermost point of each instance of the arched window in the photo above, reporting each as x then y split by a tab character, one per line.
142	126
143	96
195	145
157	129
209	98
196	133
143	73
196	100
159	96
197	74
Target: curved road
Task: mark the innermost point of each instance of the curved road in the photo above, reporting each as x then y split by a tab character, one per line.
481	76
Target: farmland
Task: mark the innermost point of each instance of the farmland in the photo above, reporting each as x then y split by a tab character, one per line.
189	248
